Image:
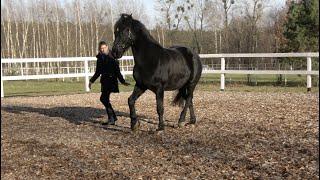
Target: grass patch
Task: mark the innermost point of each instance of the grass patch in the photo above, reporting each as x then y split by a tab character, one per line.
208	82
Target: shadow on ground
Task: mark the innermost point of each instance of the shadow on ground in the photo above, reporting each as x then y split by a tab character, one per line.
75	114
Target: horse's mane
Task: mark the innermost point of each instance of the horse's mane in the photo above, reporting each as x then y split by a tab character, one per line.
140	28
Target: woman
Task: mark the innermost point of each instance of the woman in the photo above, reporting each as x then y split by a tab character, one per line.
109	70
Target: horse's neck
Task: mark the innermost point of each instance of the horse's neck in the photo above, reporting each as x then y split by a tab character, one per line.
144	50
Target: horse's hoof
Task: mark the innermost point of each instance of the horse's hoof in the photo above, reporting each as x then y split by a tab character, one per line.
181	124
160	128
159	132
192	121
136	126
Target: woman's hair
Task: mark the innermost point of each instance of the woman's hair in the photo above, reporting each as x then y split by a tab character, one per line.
102	43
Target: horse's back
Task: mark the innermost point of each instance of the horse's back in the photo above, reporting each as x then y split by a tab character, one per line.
185	51
193	61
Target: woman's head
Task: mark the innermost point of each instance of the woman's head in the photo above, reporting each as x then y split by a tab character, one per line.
103	47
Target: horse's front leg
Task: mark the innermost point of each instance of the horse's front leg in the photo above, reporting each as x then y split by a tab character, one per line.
137	92
160	109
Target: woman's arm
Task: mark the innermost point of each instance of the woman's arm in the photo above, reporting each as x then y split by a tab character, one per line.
97	73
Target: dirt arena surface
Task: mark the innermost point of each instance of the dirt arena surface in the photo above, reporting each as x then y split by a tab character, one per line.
237	136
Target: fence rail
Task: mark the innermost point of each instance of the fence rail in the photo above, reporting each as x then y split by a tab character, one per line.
129	59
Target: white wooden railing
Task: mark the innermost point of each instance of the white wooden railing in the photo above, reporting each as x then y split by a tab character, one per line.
86	74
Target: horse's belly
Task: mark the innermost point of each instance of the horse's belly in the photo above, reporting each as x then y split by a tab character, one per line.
176	82
172	78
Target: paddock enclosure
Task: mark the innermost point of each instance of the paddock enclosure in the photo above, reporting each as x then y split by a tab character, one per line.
241	135
76	67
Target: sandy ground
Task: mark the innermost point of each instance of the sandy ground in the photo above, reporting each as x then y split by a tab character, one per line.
237	135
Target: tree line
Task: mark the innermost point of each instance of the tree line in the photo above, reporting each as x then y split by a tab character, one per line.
49	28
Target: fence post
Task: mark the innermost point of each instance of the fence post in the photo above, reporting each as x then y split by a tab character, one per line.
86	77
309	68
123	74
21	69
222	79
2	91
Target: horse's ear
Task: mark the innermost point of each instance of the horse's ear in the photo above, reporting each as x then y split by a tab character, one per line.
126	15
130	18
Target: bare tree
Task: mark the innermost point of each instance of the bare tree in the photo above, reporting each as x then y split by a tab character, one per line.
78	14
166	7
6	26
227	4
253	13
172	13
136	8
58	36
199	17
226	7
74	28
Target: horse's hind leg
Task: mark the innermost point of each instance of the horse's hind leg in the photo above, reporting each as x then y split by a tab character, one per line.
188	102
182	118
192	115
137	92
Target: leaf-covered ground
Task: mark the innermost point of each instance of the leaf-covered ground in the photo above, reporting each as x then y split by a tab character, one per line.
237	135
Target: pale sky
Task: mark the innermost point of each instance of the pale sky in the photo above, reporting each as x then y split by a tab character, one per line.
150	6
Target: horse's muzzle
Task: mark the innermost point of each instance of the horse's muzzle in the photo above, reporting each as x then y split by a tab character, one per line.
116	53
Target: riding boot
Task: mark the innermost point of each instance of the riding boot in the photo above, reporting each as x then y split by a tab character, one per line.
113	114
111	119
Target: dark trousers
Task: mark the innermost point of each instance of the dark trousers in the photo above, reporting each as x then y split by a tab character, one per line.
105	99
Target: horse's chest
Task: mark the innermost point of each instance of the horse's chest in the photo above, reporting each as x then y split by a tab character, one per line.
140	76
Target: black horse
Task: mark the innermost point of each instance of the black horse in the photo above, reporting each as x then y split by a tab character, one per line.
157	69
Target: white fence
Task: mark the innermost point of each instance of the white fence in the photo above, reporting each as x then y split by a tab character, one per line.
128	69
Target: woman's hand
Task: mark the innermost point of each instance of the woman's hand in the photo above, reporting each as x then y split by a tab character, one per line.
126	84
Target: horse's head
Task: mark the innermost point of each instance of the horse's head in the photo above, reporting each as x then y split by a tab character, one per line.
124	36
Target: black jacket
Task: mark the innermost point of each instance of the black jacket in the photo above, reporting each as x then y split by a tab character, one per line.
109	70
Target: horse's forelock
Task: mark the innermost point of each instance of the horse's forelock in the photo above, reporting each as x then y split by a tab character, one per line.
123	20
126	16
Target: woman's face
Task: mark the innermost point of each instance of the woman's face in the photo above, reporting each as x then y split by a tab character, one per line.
104	49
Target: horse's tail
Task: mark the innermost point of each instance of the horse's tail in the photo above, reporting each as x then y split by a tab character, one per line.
180	97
